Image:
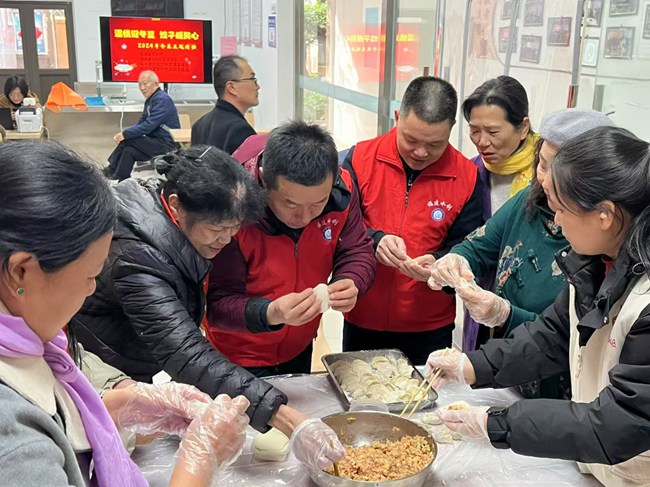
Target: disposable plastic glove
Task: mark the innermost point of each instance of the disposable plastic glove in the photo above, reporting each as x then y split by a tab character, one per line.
316	445
165	408
449	270
215	439
470	422
452	364
484	306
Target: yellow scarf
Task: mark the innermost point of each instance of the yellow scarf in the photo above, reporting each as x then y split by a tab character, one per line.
520	163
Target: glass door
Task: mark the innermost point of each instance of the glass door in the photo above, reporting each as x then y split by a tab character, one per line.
37	43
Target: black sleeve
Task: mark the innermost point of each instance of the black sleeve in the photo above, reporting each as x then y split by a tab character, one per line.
374	234
611	429
470	218
173	339
535	350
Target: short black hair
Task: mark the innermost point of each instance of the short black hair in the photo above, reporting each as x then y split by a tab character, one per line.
432	99
226	69
53	204
211	185
504	92
300	152
14	82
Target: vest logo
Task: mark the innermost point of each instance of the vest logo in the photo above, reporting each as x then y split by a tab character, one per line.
437	215
327	234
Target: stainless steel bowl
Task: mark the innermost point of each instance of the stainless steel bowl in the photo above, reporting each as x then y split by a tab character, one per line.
366	428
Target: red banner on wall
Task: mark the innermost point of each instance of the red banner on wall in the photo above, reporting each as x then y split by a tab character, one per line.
367	43
172	48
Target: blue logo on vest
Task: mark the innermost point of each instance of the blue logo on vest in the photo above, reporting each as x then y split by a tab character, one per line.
437	215
327	234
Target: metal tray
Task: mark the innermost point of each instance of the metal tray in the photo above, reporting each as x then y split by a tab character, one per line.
367	356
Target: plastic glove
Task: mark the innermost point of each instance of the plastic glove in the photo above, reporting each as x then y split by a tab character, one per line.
451	362
316	445
470	422
215	439
484	306
167	408
449	270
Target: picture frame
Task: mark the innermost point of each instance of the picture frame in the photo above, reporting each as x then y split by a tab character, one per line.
531	49
593	13
589	55
507	10
533	13
646	22
623	7
619	42
558	31
504	38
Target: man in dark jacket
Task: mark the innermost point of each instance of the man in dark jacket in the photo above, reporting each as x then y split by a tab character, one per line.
237	90
263	313
150	136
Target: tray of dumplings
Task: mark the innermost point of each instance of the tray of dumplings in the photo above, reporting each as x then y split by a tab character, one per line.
387	376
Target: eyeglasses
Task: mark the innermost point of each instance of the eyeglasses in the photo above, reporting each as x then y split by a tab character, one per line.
252	78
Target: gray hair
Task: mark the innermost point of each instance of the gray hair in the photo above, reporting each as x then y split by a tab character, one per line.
151	75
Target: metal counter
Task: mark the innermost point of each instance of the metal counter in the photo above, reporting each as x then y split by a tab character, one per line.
462	463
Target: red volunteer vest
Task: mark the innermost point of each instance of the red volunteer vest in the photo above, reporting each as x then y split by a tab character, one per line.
278	266
396	302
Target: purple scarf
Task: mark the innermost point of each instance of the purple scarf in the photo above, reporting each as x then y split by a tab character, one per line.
113	466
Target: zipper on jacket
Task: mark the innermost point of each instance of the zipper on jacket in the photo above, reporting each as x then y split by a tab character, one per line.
579	368
409	185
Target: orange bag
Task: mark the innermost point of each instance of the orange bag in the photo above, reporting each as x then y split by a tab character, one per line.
61	95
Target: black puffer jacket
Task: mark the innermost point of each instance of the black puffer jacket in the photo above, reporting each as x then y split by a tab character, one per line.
144	316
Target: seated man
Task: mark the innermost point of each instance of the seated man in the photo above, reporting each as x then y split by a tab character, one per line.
150	136
263	313
225	127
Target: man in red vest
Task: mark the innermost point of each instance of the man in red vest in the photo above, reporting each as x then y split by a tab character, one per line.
419	197
263	313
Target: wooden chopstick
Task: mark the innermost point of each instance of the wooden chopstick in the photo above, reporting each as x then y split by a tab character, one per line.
420	393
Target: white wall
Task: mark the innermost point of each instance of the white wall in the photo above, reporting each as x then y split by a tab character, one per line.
277	94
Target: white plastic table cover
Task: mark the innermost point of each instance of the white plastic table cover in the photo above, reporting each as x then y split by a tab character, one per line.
462	463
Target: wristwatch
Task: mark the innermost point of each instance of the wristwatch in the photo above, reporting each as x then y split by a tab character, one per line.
498	427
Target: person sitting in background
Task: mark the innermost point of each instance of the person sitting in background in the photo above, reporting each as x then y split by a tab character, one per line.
598	328
519	243
150	136
263	313
419	198
15	91
499	127
146	313
54	427
237	90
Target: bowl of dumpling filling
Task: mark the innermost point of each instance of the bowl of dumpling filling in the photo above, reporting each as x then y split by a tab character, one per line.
381	449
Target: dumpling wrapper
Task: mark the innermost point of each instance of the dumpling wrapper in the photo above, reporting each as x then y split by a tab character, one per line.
271	446
323	294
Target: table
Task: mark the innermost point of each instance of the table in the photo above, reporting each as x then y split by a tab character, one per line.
182	136
15	135
463	463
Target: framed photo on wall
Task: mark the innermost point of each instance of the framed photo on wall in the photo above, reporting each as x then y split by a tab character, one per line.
559	31
623	7
619	42
590	46
593	12
646	23
531	49
533	13
504	38
508	8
